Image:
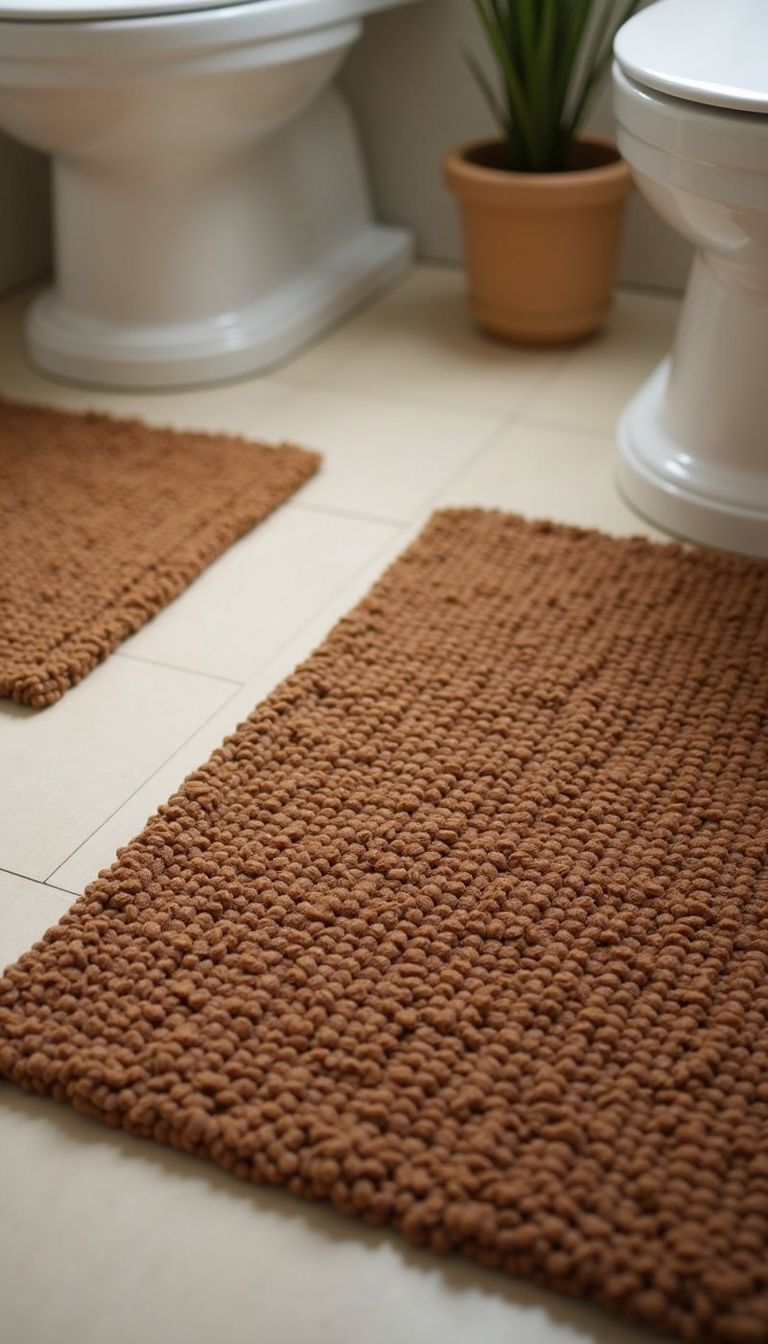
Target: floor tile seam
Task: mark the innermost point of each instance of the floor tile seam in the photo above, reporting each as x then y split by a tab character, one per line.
177	667
368	393
236	689
510	421
37	881
532	421
353	515
145	780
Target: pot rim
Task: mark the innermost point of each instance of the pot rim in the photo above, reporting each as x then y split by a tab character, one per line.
615	168
507	188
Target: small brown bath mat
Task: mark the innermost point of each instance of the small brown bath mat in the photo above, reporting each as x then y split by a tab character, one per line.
103	522
466	928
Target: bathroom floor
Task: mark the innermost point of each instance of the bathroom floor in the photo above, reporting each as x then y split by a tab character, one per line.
105	1237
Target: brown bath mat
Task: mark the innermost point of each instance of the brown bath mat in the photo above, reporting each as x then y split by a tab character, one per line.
466	928
103	522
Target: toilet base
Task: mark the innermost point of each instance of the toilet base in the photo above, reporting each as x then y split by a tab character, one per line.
82	349
668	486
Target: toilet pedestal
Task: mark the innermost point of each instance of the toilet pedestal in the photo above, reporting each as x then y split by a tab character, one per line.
694	440
167	276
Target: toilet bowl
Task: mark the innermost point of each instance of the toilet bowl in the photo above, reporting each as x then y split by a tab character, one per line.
690	84
211	211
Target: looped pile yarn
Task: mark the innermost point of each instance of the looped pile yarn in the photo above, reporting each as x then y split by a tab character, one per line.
465	929
105	521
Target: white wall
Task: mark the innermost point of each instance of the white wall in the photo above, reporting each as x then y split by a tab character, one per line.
414	98
24	227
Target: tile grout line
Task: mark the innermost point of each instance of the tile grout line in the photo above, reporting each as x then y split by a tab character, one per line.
315	382
198	728
486	442
38	881
506	422
235	691
412	400
370	394
533	422
559	363
338	511
502	422
175	667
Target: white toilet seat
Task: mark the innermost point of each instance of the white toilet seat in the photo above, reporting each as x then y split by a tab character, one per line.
162	29
79	52
68	11
281	12
713	52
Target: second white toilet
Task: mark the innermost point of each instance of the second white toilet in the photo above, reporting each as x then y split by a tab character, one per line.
691	100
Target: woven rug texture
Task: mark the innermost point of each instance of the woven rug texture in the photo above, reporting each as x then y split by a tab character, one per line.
465	929
103	522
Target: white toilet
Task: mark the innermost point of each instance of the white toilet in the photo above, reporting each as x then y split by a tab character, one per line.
211	211
691	100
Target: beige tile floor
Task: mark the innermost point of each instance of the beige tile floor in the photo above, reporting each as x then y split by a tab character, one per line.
105	1238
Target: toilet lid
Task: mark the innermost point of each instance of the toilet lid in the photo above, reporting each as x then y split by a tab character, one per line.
705	51
61	11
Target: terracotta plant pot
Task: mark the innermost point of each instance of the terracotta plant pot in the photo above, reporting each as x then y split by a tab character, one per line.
541	248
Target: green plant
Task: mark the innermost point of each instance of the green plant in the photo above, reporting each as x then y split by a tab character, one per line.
552	55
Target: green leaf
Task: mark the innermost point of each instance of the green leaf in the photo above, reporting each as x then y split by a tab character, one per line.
597	61
541	92
552	55
518	106
488	91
